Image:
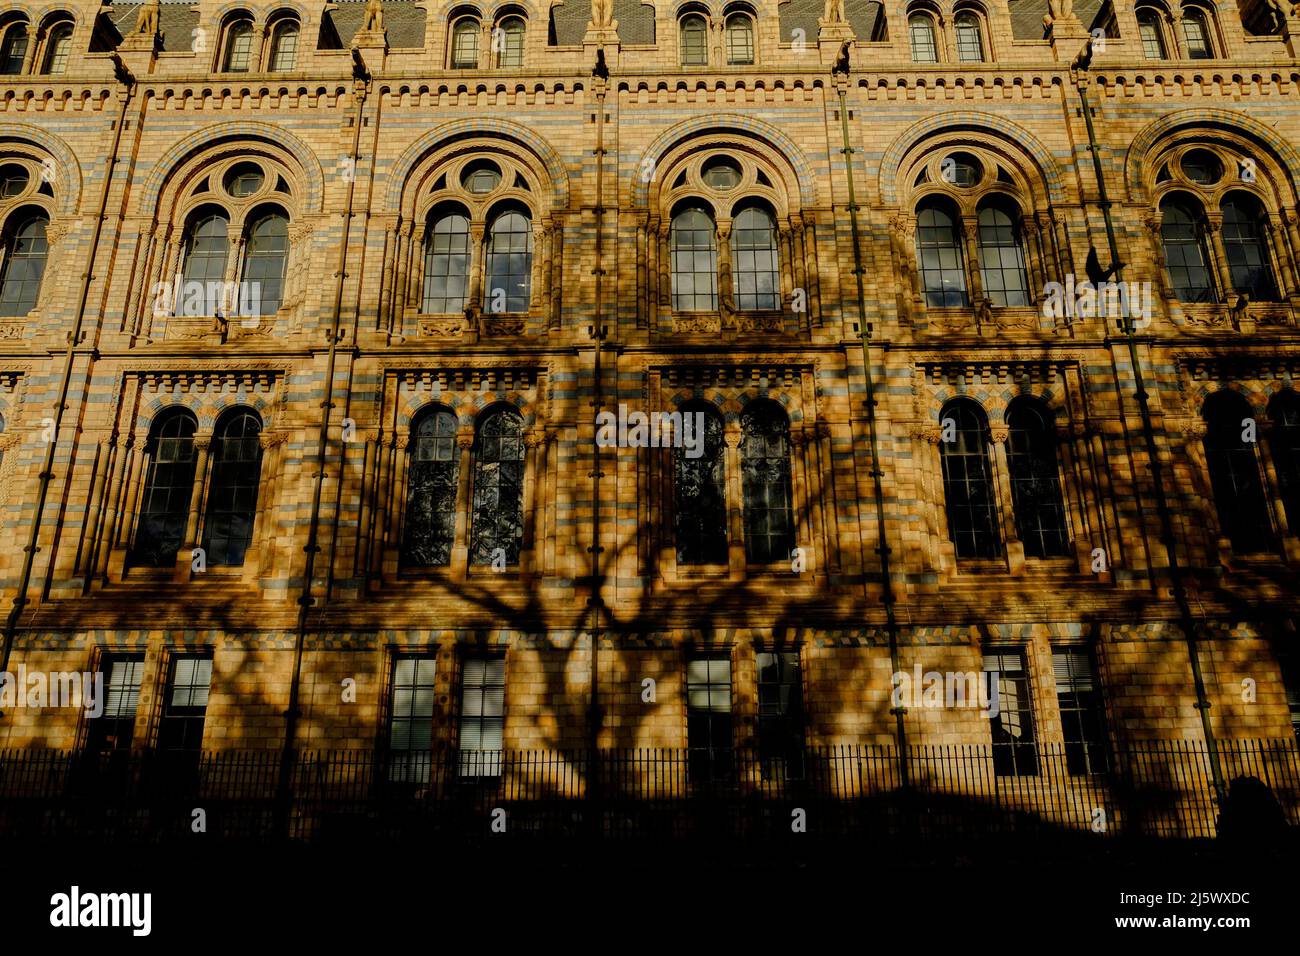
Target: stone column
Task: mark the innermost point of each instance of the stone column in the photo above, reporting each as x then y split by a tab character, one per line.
107	456
969	237
1015	549
533	439
1218	256
726	287
261	559
1275	244
460	545
397	503
198	495
476	277
735	503
113	505
1273	488
805	492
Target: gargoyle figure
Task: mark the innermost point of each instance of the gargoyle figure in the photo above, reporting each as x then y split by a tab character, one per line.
1237	311
842	59
601	69
1096	275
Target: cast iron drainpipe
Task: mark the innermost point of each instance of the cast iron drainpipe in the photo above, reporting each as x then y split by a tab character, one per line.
1186	619
887	598
361	82
74	338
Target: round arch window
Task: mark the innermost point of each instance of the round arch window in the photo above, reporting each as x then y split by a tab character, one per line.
961	169
244	179
13	180
1202	167
721	172
481	177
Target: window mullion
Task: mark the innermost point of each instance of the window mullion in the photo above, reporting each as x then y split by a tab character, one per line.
1004	500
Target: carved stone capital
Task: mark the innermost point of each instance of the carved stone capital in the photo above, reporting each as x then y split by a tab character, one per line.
998	434
465	438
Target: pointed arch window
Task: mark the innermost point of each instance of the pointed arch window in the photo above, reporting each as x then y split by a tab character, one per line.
168	487
699	494
239	46
464	44
497	520
13	48
509	262
57	49
1035	475
430	524
510	42
25	251
1235	475
970	39
232	496
1182	233
693	245
1284	443
1243	242
755	266
266	253
1152	34
694	40
968	481
1002	255
446	263
765	483
740	39
920	31
284	46
939	255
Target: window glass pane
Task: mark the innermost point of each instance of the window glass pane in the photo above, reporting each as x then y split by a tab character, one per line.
432	476
1153	43
25	252
694	40
464	44
921	32
1197	35
699	501
968	482
694	256
765	484
1182	234
206	252
1079	697
185	704
57	50
482	716
497	522
755	269
165	503
510	42
1243	241
1002	259
708	718
232	498
265	256
1285	445
509	263
13	49
939	254
1035	482
285	55
446	265
410	718
740	39
239	46
780	714
970	43
115	727
1235	475
1014	751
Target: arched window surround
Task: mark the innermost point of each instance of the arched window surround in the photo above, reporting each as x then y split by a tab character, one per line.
54	44
1238	490
17	45
284	43
925	38
975	46
694	33
24	259
740	35
468	39
238	50
509	36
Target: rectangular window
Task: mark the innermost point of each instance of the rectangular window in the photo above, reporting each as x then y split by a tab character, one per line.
708	717
482	716
1291	683
1081	710
410	718
185	703
1014	750
780	714
114	728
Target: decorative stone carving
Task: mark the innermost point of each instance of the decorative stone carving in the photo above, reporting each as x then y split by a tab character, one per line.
442	328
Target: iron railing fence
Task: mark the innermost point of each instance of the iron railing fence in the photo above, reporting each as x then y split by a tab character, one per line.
1160	789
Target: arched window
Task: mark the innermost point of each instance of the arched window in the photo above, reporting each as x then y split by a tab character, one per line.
509	262
57	47
694	250
497	519
266	252
207	249
508	41
25	252
968	481
1243	242
970	40
464	44
755	268
1182	232
430	523
284	46
1035	481
694	40
239	46
13	48
765	483
168	487
939	256
1002	255
1284	443
1152	34
446	263
1234	474
920	30
699	495
232	495
1196	31
740	39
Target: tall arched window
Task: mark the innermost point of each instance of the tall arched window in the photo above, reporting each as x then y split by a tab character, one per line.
755	268
970	41
1182	233
1234	474
1002	255
497	519
694	40
765	483
207	249
239	46
694	251
168	487
266	252
508	42
13	48
920	31
1284	443
446	263
464	44
1196	31
740	39
25	250
1152	34
968	481
284	46
1243	241
232	494
509	262
1036	481
58	46
699	493
430	520
939	256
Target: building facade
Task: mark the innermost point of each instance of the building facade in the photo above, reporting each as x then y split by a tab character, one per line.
318	324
